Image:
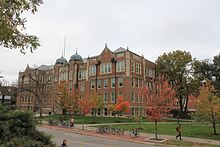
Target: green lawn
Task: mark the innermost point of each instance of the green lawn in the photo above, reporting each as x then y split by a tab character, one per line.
188	129
90	119
187	144
168	128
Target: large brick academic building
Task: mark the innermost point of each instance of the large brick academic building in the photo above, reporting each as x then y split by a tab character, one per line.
110	74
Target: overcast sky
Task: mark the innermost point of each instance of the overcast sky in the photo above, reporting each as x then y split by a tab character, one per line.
148	27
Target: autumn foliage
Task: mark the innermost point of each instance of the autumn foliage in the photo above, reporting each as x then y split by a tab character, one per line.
84	105
160	99
67	99
208	106
121	105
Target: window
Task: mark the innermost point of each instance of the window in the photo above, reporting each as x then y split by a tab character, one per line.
132	66
70	86
113	97
120	94
151	73
137	83
133	111
92	70
82	74
113	82
137	98
138	68
82	87
120	66
132	82
140	98
106	68
120	82
92	84
106	83
105	97
99	84
132	97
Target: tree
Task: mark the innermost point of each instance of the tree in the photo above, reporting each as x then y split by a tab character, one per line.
121	106
216	72
19	129
67	99
39	83
208	106
177	68
96	103
85	107
160	100
12	25
206	69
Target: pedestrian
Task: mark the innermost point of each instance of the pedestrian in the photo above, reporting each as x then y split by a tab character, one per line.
64	144
61	122
178	131
71	121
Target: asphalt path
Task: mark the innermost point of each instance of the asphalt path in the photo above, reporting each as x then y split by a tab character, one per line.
78	140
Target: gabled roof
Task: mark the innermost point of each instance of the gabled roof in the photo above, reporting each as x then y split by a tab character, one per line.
119	50
45	67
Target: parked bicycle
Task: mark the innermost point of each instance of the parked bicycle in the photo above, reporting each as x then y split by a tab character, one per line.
119	131
134	133
103	129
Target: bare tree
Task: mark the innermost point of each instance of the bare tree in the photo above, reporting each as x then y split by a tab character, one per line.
39	84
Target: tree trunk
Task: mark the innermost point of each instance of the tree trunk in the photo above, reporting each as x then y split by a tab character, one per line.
156	129
186	106
181	106
214	123
41	111
83	122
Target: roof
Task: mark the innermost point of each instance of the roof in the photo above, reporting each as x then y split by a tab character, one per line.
45	67
61	60
119	50
75	57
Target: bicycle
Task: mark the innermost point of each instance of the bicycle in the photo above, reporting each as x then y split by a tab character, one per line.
134	133
103	129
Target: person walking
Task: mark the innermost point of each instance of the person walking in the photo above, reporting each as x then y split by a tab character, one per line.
64	144
71	121
178	130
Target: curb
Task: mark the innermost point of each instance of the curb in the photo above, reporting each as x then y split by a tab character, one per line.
78	131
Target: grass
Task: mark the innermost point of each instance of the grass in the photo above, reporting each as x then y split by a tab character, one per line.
90	119
187	144
168	128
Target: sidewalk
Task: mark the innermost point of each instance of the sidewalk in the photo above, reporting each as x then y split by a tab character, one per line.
91	131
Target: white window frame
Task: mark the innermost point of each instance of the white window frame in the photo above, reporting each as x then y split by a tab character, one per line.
120	66
92	84
120	81
113	97
113	82
105	83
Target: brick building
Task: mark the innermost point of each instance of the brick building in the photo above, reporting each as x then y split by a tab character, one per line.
8	94
110	74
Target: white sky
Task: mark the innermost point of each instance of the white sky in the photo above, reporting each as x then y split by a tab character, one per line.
148	27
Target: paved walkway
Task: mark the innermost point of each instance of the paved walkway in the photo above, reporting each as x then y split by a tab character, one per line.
142	139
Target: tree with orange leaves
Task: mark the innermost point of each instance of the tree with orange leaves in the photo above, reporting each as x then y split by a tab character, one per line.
67	99
160	100
208	106
96	103
85	107
121	106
